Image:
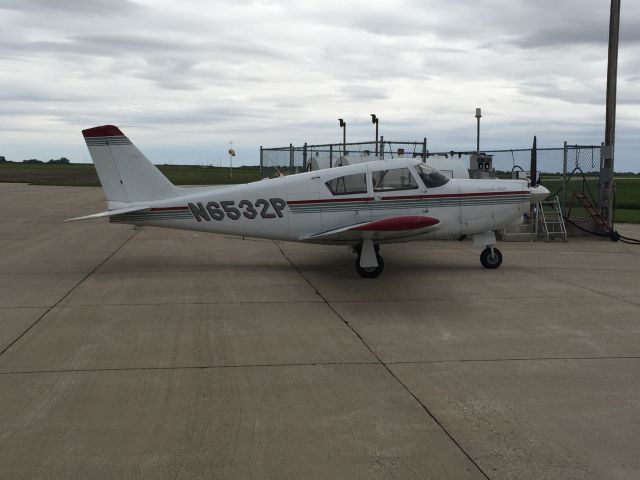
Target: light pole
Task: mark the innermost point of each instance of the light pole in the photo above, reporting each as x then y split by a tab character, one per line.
232	153
478	116
374	120
343	124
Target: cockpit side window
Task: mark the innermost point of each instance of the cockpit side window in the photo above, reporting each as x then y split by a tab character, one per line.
431	177
394	179
348	184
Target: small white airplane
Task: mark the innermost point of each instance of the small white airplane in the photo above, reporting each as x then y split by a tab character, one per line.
362	206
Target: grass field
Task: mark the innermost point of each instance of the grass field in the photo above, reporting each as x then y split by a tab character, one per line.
627	206
84	174
81	174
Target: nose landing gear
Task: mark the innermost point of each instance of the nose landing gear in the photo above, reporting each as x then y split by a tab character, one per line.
491	258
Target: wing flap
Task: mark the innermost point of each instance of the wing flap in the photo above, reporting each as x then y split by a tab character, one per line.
109	213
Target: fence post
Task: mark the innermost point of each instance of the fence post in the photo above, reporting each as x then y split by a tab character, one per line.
565	157
261	160
304	157
291	155
424	149
601	186
330	156
381	147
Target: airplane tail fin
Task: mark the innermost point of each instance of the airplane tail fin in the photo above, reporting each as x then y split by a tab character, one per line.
125	173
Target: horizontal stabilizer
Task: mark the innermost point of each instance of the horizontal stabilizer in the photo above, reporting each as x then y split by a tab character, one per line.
110	213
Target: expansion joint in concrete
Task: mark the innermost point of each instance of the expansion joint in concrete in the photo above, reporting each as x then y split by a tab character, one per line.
189	367
386	367
61	299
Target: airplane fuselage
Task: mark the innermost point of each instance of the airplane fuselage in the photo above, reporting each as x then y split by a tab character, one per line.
299	207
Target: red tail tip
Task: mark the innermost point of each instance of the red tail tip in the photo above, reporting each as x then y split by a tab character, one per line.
103	131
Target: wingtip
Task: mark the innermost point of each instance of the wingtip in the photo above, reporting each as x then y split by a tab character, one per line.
102	131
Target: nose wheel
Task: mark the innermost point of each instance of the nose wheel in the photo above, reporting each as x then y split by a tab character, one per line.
491	258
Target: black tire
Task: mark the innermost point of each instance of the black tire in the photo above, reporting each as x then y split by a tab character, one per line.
370	272
491	261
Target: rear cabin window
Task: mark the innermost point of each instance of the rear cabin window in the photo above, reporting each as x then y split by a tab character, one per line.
348	185
391	180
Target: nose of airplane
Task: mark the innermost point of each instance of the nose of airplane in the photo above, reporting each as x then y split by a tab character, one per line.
538	193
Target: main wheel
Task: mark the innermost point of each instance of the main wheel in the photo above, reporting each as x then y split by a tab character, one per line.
489	259
371	272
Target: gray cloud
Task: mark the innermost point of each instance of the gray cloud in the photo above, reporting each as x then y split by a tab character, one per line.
364	92
581	33
71	7
271	72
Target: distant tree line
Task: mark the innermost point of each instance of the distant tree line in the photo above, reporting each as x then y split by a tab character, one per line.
61	160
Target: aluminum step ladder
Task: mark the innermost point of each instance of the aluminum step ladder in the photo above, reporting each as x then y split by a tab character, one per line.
551	220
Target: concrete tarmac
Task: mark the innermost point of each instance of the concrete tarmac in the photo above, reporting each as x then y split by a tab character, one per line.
168	354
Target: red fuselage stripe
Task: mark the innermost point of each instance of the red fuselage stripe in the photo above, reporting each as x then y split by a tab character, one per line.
368	199
456	195
330	200
409	197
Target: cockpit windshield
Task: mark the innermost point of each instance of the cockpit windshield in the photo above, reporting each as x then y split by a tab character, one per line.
431	177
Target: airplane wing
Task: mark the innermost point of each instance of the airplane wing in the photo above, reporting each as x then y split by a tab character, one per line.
384	229
109	213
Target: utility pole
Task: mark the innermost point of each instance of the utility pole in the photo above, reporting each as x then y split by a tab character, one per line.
343	124
607	154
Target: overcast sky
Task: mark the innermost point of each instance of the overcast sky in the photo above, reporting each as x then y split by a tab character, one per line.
182	79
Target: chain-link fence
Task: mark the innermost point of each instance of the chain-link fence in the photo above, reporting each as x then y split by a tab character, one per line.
294	159
564	170
573	168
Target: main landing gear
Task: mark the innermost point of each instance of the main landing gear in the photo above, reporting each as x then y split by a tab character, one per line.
369	263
